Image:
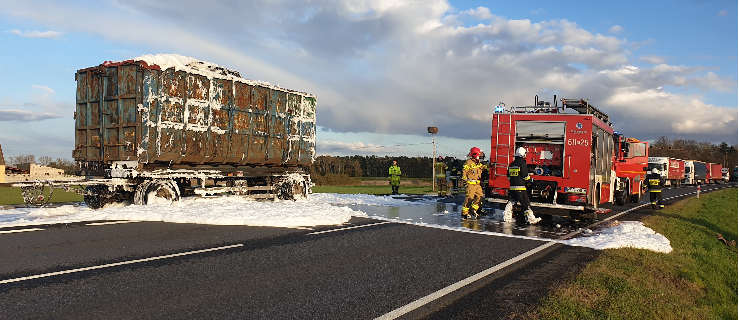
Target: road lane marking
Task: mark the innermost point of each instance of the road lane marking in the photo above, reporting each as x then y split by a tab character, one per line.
20	230
110	222
458	285
347	228
122	263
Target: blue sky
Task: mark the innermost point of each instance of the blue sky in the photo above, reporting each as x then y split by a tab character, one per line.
384	71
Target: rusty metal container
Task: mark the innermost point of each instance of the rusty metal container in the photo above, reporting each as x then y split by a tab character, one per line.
134	111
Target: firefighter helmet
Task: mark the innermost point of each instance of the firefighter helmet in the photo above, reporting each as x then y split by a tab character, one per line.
474	152
521	152
655	171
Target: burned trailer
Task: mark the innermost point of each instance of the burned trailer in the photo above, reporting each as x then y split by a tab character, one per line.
170	126
570	153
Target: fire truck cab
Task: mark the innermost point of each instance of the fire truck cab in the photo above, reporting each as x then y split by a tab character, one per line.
570	155
630	167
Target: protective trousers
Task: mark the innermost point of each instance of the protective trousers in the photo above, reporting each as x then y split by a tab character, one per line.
472	199
655	197
441	186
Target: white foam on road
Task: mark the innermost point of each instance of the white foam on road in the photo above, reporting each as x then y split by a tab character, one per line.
627	234
368	199
318	209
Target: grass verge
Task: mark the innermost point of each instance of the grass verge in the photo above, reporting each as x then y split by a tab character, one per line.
697	280
12	196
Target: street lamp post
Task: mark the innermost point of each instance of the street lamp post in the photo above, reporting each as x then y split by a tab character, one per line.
433	131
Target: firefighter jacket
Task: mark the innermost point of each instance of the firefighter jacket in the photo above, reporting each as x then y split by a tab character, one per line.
518	174
655	182
394	173
440	168
472	171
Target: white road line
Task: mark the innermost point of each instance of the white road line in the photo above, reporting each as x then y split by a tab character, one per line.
347	228
110	222
20	230
455	286
122	263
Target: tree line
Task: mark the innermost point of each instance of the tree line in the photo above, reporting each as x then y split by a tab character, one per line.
374	166
722	153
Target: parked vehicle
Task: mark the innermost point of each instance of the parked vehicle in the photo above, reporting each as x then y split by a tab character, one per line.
671	169
701	172
631	156
714	173
570	152
150	128
725	174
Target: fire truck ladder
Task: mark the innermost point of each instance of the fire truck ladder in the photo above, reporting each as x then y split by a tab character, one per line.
502	129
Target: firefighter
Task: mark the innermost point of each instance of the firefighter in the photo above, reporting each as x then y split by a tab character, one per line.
471	173
394	174
518	175
454	177
655	184
440	169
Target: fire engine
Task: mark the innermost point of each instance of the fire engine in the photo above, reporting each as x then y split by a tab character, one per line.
570	153
630	166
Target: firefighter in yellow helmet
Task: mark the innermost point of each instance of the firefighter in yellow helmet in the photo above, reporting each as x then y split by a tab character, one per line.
471	173
518	175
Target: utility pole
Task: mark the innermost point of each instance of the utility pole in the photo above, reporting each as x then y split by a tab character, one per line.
433	131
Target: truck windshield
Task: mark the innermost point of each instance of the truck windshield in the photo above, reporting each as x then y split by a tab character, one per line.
659	166
637	149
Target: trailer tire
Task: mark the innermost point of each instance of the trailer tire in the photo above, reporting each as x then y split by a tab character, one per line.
165	189
97	196
623	196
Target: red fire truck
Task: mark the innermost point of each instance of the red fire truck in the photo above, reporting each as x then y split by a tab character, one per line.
630	165
570	153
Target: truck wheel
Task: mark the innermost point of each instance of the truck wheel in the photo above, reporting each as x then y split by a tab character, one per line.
157	190
96	196
635	198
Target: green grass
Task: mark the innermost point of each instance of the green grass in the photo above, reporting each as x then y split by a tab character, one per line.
12	195
697	280
371	189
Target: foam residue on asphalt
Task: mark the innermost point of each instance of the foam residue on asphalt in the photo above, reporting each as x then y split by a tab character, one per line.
318	209
626	234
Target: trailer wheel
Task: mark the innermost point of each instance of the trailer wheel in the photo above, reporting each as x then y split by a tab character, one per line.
97	196
623	196
289	189
165	190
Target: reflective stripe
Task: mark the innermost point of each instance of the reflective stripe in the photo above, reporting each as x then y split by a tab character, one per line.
473	182
527	178
518	188
655	190
465	209
474	206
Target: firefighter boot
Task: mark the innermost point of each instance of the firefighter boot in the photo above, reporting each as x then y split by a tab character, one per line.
530	217
465	212
508	212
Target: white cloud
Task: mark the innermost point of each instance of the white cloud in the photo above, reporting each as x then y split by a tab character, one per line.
45	89
616	29
398	66
25	115
722	13
49	34
479	12
653	59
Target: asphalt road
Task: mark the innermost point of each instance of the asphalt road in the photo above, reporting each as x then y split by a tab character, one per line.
361	270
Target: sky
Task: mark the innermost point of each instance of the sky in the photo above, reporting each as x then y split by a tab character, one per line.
385	70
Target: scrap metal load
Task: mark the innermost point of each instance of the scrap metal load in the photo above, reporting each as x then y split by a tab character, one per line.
571	152
169	126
